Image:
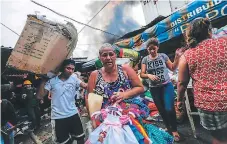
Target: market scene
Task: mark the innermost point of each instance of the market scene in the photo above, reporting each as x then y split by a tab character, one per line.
131	72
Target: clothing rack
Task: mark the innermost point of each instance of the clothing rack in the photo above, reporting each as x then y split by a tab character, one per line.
190	113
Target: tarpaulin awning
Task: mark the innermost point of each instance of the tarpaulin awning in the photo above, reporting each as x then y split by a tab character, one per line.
176	24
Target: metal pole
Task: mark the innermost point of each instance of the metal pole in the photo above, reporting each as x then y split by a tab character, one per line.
156	7
171	7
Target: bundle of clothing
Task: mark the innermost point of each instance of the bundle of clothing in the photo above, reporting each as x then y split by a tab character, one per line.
124	121
222	32
120	126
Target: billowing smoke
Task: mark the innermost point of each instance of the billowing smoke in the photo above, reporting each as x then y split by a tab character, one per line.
115	18
121	23
132	3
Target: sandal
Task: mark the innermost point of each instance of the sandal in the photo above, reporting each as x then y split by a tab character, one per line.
177	137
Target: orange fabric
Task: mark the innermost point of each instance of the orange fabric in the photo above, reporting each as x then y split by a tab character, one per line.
152	106
153	113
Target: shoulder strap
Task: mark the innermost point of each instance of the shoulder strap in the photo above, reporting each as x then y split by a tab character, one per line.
98	76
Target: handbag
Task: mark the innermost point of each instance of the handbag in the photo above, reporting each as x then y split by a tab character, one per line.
94	102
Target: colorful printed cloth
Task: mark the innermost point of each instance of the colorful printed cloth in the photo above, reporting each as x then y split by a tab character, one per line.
157	135
136	105
138	135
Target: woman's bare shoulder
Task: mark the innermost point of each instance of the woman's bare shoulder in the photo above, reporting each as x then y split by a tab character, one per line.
94	73
128	70
126	67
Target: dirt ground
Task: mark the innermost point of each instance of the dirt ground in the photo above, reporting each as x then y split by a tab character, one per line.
44	133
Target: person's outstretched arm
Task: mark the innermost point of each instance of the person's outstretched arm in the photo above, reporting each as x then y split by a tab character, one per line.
90	89
42	90
183	80
137	86
172	66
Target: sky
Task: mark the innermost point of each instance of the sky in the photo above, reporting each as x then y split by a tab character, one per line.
117	17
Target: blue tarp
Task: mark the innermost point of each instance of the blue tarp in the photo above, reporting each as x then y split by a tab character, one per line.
176	24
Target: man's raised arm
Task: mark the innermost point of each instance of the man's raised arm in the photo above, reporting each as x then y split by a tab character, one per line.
41	91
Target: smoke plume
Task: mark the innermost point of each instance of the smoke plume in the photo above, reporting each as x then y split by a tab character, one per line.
115	18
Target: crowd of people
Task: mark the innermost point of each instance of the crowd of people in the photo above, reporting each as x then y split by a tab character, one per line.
19	104
203	59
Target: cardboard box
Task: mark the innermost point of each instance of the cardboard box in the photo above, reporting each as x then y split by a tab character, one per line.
42	46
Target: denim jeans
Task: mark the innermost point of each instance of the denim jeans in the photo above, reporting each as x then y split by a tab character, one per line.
163	97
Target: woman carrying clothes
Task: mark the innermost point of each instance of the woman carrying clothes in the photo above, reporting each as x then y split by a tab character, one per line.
115	83
155	68
121	85
206	63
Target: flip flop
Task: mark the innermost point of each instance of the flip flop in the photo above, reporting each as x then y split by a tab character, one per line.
177	138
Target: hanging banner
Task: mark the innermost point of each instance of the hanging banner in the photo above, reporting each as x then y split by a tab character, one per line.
135	42
177	23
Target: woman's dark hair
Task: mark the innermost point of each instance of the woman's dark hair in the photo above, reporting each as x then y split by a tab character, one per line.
198	31
67	62
152	41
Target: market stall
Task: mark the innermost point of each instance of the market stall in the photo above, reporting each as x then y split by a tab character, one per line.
170	31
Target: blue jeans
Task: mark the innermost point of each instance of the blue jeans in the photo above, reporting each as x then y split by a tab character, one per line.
163	97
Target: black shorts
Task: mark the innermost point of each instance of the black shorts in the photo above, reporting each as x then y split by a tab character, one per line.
220	135
65	129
